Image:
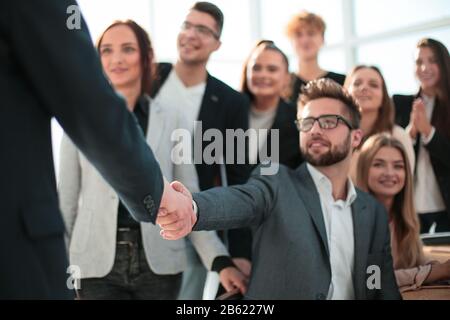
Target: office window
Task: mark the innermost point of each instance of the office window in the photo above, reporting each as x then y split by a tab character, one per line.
101	13
395	57
384	15
382	32
333	60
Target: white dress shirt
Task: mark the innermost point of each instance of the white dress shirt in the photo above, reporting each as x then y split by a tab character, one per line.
338	219
427	195
175	93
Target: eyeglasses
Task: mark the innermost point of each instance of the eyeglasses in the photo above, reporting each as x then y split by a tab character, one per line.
326	121
200	30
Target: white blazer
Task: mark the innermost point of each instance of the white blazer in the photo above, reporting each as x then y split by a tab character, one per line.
90	207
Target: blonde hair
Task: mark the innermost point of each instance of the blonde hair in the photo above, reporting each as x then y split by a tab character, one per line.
406	225
305	19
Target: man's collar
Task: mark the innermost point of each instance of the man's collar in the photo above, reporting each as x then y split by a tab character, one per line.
322	181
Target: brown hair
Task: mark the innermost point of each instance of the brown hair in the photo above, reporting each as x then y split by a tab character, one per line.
385	118
260	45
327	88
145	50
404	217
213	11
441	115
305	19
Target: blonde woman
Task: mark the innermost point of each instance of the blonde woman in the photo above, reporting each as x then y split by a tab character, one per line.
384	171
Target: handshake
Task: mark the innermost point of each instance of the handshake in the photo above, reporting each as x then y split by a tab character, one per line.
176	215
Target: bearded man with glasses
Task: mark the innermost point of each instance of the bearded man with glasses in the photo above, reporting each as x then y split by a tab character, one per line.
315	235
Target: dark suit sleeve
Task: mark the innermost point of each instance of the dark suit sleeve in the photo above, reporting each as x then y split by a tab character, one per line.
389	289
439	149
240	206
403	107
62	68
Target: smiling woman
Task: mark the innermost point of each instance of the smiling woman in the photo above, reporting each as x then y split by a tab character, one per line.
264	78
127	55
426	117
367	85
383	171
115	261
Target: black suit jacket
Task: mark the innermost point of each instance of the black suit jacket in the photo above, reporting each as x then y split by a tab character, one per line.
47	71
222	108
438	147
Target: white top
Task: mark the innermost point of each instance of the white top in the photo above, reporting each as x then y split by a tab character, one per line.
401	135
338	220
262	122
427	195
189	99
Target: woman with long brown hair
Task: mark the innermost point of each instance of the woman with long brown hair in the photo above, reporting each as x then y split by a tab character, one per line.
264	77
367	85
383	171
426	117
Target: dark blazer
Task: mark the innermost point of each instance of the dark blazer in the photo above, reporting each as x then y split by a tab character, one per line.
222	108
290	250
239	240
438	147
47	71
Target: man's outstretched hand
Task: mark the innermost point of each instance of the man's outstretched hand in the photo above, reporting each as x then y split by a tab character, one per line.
176	216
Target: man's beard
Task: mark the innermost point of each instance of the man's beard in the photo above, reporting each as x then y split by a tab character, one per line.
334	155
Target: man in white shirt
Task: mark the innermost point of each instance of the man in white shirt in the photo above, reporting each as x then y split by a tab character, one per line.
207	103
316	236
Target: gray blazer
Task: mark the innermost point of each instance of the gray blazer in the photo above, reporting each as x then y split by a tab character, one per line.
290	250
90	207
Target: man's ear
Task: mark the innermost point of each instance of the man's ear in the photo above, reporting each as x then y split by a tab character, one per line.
218	44
323	41
357	137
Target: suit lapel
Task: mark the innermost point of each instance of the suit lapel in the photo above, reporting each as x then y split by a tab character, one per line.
308	193
362	234
155	125
210	98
